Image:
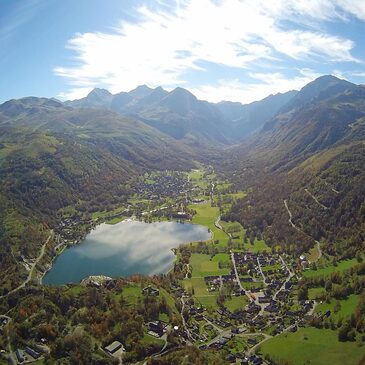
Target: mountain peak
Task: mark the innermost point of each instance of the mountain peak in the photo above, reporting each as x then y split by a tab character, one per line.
100	93
319	89
181	92
140	92
326	81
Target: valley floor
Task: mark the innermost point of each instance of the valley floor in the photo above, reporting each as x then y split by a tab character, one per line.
232	295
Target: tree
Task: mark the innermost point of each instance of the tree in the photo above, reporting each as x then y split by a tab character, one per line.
303	293
343	332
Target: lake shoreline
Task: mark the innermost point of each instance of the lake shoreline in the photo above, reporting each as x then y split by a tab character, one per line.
173	250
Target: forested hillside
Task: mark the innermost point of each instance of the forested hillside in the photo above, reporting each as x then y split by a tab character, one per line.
52	157
307	165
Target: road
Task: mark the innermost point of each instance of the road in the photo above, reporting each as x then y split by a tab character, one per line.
217	224
286	266
299	230
253	348
291	274
291	217
22	285
227	333
183	320
31	271
315	199
212	324
261	272
238	278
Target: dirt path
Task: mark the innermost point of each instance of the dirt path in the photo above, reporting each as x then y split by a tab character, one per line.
315	199
318	245
291	217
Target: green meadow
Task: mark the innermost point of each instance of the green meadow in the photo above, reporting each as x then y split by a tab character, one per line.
312	346
203	265
328	270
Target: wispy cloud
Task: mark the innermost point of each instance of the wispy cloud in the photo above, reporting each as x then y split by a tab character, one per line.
164	44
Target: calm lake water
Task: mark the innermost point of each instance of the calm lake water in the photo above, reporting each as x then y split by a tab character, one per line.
124	249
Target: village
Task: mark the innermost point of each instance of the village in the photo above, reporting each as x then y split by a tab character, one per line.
268	285
232	294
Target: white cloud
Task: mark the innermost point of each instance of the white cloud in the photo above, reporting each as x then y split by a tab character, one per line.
267	83
75	93
163	45
354	7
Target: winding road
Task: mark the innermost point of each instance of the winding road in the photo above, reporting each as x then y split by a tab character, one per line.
315	199
318	245
238	278
31	271
183	320
11	357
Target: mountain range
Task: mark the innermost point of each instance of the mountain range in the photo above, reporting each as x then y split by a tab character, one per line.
181	115
309	160
86	152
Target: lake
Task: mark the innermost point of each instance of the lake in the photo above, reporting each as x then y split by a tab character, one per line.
123	249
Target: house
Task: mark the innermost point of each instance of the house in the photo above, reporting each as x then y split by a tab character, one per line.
231	358
156	327
264	300
148	290
114	347
32	352
252	341
19	355
257	360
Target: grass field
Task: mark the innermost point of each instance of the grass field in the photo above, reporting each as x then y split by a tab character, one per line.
198	284
258	246
222	257
348	307
206	215
313	254
314	292
147	339
250	285
238	195
76	290
313	346
196	176
201	293
236	303
341	266
131	294
169	299
271	267
209	301
203	265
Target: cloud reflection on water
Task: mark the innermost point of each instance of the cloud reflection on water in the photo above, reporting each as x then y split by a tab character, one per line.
124	249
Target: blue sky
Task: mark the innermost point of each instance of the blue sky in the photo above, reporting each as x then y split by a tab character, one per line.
218	49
